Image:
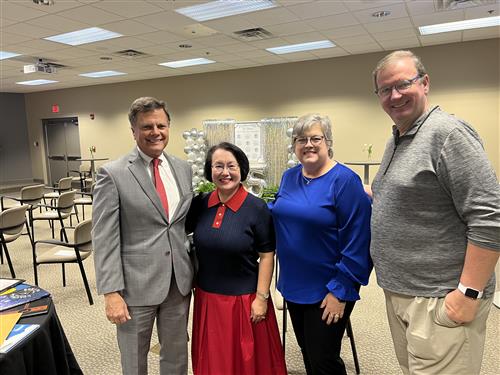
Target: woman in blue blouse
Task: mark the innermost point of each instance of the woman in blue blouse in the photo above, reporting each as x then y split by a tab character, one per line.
322	221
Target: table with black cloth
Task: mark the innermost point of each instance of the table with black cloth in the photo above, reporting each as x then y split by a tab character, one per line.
44	351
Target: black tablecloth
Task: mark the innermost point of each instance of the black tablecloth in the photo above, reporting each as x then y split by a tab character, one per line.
45	351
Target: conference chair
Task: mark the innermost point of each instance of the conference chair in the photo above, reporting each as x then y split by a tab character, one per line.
82	177
29	195
84	199
63	185
61	210
76	251
12	222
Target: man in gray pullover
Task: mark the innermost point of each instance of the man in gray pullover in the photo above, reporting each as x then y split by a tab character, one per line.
435	227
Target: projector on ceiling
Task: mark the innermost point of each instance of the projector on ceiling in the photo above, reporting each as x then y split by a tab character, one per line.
39	67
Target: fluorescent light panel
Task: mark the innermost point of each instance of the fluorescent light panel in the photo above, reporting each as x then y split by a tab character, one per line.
224	8
460	25
104	73
36	82
190	62
320	44
7	55
84	36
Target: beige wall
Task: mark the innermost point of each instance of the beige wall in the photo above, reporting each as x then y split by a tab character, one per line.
464	81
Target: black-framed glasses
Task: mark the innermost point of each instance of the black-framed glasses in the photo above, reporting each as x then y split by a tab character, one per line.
219	168
400	87
315	140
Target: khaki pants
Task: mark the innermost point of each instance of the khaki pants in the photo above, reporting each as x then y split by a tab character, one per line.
428	342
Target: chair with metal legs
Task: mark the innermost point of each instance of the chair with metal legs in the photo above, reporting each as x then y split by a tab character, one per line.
76	251
62	186
12	222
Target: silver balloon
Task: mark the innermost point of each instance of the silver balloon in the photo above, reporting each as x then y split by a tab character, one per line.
190	161
291	164
196	180
200	160
200	172
194	167
290	148
289	132
203	147
196	147
185	134
191	156
200	140
294	158
190	141
194	133
187	149
201	134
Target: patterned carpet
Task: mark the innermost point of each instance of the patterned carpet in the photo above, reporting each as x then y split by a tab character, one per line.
92	337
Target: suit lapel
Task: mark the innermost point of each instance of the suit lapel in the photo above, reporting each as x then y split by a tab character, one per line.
183	185
137	169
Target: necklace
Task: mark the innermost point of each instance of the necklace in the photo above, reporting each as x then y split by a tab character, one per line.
307	180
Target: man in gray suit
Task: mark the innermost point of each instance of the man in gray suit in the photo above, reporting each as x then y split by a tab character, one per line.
141	249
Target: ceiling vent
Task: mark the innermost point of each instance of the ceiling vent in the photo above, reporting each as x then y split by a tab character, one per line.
130	53
250	35
460	4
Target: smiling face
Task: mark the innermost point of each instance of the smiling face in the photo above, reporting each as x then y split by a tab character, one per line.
151	131
407	107
225	172
310	155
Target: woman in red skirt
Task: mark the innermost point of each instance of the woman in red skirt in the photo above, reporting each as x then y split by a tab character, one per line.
234	325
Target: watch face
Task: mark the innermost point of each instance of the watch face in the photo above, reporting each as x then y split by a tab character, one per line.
471	293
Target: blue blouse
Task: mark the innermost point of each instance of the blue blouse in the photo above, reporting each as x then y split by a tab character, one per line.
322	235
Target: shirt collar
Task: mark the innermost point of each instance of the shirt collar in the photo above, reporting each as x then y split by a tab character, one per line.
147	159
420	121
234	203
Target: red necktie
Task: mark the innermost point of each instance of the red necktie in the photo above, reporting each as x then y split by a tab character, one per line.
160	189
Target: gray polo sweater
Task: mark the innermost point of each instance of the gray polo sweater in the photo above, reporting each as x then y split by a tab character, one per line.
435	191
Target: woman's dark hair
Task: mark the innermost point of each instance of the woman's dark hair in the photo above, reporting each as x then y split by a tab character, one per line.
238	154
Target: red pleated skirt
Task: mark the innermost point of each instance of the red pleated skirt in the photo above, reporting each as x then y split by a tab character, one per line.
226	342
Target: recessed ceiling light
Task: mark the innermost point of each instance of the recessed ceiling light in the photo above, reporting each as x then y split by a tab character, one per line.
36	82
320	44
223	8
104	73
84	36
190	62
460	25
7	55
381	14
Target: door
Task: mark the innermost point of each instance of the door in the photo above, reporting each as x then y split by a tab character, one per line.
62	140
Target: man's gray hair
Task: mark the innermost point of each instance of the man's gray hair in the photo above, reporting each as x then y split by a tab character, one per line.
145	104
395	56
306	122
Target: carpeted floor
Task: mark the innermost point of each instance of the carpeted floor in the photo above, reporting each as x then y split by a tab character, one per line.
92	337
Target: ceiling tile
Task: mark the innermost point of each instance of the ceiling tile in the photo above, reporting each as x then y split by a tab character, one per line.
441	17
60	24
165	21
390	25
229	25
9	39
272	16
318	9
304	38
289	28
401	43
330	52
363	48
355	5
26	29
483	11
395	34
354	40
336	21
128	8
484	33
161	37
5	22
15	12
417	8
237	47
344	32
396	11
451	37
88	12
128	27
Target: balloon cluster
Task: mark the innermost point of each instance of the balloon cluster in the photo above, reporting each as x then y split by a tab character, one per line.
292	158
196	149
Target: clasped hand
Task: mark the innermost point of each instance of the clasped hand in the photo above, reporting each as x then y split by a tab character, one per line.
333	309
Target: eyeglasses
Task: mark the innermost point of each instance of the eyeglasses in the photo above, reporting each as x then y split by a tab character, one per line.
400	87
315	140
219	168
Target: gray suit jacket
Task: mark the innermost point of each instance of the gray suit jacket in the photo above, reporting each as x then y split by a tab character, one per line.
136	248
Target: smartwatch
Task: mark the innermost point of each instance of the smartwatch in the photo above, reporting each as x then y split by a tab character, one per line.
470	292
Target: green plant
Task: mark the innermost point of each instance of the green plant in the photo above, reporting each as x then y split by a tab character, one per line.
204	187
269	193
